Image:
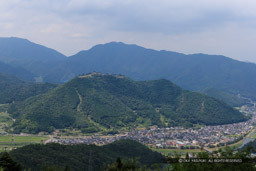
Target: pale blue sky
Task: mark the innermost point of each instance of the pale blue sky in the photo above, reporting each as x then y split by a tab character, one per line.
226	27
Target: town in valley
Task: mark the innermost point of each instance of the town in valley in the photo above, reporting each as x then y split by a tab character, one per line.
177	137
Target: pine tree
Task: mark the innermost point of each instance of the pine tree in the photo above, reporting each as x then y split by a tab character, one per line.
8	164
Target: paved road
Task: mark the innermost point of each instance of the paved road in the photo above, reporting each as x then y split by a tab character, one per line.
247	140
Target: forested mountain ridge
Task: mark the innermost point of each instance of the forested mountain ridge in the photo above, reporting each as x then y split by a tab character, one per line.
13	89
120	155
229	98
104	101
77	157
195	72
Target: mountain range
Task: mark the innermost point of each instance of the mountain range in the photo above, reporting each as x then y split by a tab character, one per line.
99	102
42	90
195	72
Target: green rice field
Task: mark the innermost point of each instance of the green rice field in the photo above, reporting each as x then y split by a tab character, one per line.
11	142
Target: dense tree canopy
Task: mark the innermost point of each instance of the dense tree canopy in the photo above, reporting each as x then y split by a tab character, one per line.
81	157
102	102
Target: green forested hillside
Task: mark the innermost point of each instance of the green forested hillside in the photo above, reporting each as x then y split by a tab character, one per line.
231	99
120	155
77	157
12	89
103	102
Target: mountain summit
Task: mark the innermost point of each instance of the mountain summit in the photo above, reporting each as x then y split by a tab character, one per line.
195	72
35	58
104	102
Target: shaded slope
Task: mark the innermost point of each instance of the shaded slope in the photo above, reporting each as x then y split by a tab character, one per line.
12	89
17	71
35	58
231	99
77	156
114	101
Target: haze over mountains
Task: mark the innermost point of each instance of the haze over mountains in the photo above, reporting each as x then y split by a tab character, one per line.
32	57
132	89
194	72
13	89
17	71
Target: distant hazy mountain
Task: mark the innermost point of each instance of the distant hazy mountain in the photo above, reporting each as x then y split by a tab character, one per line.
194	72
17	71
103	102
12	89
35	58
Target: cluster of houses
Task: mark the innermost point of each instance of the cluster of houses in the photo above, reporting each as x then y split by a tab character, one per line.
174	137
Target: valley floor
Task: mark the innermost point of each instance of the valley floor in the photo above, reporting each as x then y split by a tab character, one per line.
165	140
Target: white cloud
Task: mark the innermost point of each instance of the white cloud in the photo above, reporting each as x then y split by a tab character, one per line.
213	26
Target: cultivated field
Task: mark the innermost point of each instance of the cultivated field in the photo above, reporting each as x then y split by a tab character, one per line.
11	142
